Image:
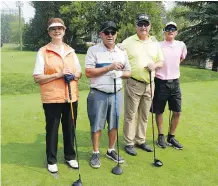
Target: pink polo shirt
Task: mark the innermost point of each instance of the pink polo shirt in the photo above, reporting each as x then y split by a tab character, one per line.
173	52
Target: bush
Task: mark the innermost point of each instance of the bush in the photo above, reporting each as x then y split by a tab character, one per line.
81	48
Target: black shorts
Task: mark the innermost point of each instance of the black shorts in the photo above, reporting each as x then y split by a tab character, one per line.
167	90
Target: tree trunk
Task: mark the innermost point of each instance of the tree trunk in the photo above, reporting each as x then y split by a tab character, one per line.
215	63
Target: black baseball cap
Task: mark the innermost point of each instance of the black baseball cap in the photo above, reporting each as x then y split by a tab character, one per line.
142	17
107	25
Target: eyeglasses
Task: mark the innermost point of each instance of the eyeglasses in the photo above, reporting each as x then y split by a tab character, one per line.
141	24
173	29
107	32
56	28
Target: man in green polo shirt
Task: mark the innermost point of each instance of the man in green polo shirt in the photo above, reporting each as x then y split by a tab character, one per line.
144	55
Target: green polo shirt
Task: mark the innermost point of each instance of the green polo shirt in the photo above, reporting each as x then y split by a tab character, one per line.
140	54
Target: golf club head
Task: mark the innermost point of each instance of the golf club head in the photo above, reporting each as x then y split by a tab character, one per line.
77	183
117	170
158	163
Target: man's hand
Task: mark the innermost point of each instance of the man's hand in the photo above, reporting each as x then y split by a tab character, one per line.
116	66
151	67
116	74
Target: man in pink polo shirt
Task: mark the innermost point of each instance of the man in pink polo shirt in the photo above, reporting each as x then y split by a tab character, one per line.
167	87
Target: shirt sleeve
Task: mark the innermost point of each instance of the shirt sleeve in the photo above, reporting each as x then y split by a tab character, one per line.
39	65
160	56
77	64
184	51
90	59
127	65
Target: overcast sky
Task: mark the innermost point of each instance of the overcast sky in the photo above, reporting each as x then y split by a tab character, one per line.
28	11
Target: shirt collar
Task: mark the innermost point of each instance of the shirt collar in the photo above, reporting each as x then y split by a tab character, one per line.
115	49
137	38
170	43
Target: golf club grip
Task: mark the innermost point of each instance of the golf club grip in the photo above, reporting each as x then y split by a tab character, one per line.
69	89
71	104
152	114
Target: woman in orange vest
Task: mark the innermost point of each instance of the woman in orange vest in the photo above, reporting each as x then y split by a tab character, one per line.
53	61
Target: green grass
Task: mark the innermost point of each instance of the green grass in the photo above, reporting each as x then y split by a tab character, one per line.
17	68
23	160
193	74
23	146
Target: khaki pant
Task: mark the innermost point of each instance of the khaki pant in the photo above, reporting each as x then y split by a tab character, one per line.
137	99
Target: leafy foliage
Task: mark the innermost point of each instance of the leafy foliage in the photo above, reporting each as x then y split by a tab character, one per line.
35	34
201	36
84	19
177	15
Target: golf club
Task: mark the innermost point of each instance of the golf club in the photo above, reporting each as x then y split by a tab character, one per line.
117	169
169	121
157	162
77	182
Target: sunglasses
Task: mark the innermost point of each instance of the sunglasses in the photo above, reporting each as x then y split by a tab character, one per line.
108	32
145	24
172	29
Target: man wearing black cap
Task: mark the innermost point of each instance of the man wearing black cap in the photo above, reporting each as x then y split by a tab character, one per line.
105	62
167	87
144	55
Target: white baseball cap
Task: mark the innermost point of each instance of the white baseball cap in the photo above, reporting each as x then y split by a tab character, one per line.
171	23
56	24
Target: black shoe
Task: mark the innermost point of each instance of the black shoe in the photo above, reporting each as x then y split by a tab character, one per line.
113	156
161	141
145	147
130	149
95	160
174	143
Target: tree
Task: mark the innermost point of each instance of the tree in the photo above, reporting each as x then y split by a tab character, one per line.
128	15
35	32
177	14
84	19
201	36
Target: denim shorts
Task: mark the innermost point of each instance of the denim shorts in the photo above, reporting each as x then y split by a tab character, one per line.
102	107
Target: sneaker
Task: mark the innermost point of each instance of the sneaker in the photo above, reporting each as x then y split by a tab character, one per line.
161	141
130	149
113	156
53	168
73	164
174	143
95	160
145	147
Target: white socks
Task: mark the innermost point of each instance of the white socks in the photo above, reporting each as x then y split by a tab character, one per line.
109	150
97	152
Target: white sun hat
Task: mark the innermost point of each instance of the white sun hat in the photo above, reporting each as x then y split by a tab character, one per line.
56	24
171	23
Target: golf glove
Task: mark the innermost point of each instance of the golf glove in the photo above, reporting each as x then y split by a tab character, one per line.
116	74
69	77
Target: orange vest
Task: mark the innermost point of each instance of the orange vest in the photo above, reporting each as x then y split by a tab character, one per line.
56	91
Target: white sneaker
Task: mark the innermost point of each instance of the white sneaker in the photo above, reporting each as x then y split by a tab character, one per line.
52	168
73	164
